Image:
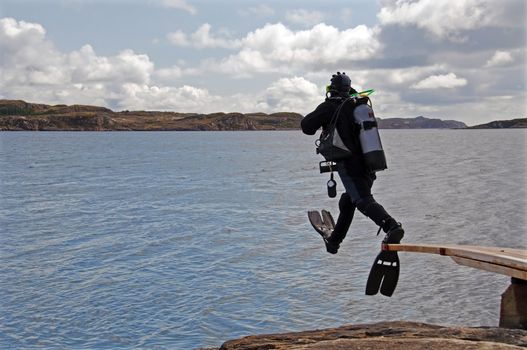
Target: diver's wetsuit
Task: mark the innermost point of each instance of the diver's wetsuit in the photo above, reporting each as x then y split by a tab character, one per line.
353	172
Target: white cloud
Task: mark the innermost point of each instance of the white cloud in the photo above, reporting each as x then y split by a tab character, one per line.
447	81
386	79
259	10
127	67
445	19
304	17
33	69
178	38
27	57
276	48
201	38
168	74
30	59
14	34
500	58
397	77
184	99
180	4
389	104
294	94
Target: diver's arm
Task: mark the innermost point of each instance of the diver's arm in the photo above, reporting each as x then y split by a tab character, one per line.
314	120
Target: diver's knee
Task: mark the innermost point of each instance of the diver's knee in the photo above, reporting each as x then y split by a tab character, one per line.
345	202
363	203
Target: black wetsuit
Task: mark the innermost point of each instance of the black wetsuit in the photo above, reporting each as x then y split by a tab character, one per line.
353	172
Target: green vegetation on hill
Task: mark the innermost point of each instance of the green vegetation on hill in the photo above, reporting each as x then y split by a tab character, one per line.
20	115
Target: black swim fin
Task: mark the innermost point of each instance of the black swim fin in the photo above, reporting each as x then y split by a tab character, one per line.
384	274
324	225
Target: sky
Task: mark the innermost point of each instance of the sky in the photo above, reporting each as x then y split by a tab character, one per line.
464	60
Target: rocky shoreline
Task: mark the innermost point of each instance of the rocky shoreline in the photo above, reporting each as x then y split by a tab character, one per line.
386	335
520	123
19	115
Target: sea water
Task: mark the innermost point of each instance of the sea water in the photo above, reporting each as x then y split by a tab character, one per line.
180	240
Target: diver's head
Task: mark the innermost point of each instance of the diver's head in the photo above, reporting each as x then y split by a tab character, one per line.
340	85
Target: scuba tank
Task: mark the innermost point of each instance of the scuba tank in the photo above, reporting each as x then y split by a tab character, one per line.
369	138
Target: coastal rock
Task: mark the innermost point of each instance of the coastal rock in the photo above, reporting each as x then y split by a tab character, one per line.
387	335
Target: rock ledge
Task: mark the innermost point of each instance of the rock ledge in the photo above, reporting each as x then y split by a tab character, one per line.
386	335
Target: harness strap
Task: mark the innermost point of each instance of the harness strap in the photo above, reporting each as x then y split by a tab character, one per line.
367	125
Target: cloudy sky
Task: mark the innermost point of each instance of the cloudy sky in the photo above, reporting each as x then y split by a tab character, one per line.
462	59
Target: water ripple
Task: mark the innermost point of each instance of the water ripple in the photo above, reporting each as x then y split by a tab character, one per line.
184	240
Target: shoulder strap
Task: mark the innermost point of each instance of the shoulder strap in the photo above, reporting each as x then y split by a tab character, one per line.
336	115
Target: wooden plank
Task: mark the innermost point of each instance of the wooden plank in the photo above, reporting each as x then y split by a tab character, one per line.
498	257
517	258
415	248
504	270
511	259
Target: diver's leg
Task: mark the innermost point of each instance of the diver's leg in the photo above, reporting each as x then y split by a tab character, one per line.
376	212
346	211
359	190
373	210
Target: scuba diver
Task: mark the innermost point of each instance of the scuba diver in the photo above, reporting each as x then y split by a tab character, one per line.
355	169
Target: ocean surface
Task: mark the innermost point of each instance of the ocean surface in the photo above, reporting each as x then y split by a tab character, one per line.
181	240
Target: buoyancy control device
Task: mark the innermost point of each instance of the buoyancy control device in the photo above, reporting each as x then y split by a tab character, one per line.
330	143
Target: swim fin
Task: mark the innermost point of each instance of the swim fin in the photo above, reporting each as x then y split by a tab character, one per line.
384	274
328	219
324	225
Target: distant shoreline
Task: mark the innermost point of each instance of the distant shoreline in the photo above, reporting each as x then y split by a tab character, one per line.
227	131
18	115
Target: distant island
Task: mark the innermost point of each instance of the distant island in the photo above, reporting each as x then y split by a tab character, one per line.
20	115
419	123
16	115
503	124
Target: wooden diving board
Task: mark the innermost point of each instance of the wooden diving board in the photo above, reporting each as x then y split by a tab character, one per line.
507	261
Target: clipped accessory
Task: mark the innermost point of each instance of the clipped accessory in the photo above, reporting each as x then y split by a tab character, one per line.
326	166
332	187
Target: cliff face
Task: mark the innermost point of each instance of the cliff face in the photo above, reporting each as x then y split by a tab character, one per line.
387	335
20	115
